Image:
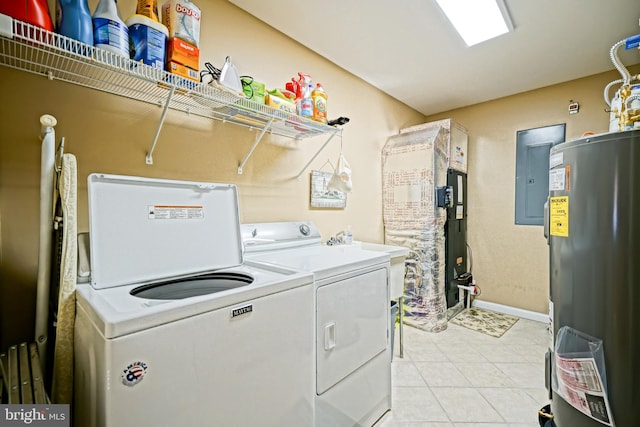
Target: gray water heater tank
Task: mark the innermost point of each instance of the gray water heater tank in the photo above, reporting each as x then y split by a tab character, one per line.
593	229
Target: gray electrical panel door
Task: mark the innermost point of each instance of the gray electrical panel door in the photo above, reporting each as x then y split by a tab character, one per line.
532	171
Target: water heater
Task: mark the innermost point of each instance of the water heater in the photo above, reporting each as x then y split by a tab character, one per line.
593	228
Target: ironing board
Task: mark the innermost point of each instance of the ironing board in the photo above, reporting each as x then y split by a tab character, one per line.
62	373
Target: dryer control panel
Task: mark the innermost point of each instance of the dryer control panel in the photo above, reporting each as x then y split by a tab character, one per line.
262	236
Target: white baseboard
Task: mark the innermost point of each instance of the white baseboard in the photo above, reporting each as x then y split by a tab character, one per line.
519	312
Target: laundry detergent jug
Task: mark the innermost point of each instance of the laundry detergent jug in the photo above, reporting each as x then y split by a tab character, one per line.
73	20
35	12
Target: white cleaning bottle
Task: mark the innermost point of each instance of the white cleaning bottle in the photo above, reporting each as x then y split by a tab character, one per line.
306	103
348	240
109	30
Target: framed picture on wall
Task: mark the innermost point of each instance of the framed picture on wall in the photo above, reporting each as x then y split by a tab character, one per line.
323	198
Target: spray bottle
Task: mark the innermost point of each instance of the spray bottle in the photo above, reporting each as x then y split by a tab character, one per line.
294	86
304	103
305	79
109	30
305	106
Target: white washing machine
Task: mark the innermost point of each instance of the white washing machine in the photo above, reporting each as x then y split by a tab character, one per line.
174	328
351	300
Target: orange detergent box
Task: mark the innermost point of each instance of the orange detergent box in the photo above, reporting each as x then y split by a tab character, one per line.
181	52
182	71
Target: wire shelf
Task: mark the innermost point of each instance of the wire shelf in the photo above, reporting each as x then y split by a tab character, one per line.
57	57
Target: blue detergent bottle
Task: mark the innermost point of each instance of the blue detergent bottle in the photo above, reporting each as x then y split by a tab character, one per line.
73	19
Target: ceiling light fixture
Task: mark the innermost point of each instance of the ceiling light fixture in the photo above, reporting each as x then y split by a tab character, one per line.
477	20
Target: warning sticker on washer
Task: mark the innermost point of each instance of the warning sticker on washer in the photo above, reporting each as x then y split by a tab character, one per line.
175	212
559	216
556	179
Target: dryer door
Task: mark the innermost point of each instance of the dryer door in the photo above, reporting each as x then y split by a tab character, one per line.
352	325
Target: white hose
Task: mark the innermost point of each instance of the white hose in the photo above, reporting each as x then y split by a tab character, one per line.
608	88
613	54
47	171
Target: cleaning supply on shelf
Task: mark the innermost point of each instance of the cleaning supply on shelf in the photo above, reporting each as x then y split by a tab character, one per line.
148	8
147	40
304	80
182	19
252	89
182	52
303	88
109	30
182	71
35	12
297	85
73	19
305	104
319	97
294	86
277	98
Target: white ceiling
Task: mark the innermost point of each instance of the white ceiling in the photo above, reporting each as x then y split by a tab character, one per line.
408	49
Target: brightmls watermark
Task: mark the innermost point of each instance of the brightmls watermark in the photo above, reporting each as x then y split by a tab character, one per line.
54	415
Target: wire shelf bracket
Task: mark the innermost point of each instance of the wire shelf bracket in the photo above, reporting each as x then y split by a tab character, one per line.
298	177
253	147
149	158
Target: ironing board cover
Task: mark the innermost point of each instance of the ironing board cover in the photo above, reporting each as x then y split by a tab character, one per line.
62	376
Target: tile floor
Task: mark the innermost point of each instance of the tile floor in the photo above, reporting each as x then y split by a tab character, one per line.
463	378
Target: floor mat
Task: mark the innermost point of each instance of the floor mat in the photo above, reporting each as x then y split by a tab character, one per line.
485	321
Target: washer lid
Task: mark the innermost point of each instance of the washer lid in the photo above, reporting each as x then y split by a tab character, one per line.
143	229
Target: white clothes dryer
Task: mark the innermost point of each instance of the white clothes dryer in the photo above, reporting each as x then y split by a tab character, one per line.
174	328
352	326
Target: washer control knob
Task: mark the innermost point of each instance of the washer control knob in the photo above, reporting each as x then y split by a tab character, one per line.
304	229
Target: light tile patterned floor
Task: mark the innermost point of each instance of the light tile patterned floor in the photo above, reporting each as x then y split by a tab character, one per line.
462	378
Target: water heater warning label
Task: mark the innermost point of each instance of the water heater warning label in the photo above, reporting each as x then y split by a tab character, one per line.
175	212
559	216
556	180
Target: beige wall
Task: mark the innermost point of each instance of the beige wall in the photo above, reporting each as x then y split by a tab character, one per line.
510	262
112	135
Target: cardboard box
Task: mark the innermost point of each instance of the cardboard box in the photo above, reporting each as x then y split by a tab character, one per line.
182	71
181	52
